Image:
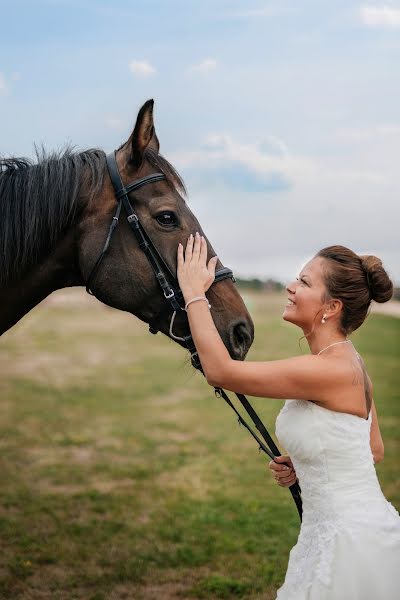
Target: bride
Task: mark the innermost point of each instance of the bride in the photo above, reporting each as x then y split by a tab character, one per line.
349	542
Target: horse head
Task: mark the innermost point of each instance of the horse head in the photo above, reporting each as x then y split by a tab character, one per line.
125	279
73	202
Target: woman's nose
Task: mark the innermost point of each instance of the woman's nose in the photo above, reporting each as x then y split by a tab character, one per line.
291	287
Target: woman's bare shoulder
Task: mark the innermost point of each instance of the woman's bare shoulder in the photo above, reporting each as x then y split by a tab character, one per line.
349	392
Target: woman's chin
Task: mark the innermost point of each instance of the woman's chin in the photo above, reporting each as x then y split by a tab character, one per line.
288	316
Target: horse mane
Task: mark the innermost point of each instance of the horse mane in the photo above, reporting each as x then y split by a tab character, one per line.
38	201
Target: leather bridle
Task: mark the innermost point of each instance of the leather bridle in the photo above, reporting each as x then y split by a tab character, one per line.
165	278
173	295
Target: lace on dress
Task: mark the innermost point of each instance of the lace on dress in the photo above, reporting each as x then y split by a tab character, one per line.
332	458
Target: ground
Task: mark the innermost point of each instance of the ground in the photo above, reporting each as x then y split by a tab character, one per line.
124	477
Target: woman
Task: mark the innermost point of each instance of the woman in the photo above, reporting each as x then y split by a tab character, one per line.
349	542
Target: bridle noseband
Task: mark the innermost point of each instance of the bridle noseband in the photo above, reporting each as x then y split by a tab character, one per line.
166	279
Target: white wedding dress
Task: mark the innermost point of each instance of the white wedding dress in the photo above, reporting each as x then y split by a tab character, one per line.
349	542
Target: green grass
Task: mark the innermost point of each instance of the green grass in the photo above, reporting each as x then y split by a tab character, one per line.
124	477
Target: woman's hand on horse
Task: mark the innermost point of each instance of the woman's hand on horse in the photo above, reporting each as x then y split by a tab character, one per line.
195	276
284	474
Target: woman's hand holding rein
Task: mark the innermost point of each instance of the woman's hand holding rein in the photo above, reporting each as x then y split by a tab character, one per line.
284	475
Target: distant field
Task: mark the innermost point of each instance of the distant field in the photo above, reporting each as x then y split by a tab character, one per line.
123	477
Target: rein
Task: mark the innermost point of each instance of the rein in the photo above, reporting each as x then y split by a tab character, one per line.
269	447
170	288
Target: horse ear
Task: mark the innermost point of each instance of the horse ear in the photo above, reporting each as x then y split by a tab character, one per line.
144	135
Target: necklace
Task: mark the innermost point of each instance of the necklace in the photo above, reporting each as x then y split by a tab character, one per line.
334	344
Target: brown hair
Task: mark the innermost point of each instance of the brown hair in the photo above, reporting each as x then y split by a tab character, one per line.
355	280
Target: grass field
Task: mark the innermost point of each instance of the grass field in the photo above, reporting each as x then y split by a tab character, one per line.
123	477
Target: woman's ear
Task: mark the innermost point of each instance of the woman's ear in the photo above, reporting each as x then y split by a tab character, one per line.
334	307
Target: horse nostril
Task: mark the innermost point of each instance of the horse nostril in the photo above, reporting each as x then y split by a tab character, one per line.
240	337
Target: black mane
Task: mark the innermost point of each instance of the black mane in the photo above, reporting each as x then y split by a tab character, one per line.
38	201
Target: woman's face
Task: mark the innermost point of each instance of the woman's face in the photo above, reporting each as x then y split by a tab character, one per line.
306	296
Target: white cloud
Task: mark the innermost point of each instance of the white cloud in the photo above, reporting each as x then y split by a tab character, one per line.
269	155
142	68
4	89
380	16
205	66
282	231
348	198
264	159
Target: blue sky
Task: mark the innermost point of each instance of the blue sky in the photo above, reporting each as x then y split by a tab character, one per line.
282	116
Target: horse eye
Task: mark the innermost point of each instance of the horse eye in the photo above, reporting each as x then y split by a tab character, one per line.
166	218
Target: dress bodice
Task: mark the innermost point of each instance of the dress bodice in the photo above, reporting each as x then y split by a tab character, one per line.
330	450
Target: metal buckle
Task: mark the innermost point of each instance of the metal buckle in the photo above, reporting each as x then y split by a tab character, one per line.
195	360
132	217
169	295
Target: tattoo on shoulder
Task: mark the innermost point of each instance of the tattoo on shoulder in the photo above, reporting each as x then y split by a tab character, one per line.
358	377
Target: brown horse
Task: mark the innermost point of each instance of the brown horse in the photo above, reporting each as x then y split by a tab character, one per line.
55	216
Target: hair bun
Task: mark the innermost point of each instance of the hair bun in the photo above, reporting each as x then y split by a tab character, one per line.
379	283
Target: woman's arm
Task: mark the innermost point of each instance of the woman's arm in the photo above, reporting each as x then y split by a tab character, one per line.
376	442
301	377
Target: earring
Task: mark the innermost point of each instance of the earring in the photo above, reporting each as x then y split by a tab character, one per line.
323	320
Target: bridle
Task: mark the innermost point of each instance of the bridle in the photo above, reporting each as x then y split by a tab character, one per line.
173	295
166	279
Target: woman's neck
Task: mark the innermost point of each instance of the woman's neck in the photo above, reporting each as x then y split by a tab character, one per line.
322	338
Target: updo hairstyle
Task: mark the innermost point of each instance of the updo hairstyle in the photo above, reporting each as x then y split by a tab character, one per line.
355	280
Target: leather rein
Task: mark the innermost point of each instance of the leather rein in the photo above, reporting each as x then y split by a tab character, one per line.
175	302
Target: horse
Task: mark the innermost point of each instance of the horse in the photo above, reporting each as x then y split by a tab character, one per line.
55	224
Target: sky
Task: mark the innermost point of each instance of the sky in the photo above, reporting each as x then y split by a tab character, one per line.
281	116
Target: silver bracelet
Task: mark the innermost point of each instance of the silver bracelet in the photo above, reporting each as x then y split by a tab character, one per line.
195	300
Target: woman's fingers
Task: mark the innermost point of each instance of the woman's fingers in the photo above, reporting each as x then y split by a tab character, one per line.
212	263
285	478
284	459
277	467
284	474
189	248
292	480
203	250
180	255
278	464
196	247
